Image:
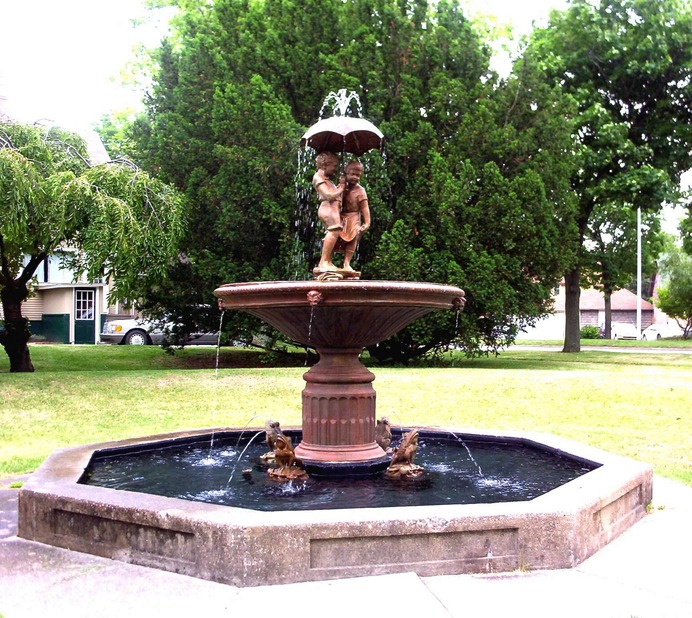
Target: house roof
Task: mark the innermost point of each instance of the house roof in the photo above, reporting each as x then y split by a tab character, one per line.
4	112
592	300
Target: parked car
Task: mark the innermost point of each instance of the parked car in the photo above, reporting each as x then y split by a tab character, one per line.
621	330
661	331
133	331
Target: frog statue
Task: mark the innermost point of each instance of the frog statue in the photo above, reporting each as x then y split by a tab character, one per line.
288	466
272	430
402	465
383	433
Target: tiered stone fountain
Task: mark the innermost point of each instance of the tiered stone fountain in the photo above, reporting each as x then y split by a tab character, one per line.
338	314
239	545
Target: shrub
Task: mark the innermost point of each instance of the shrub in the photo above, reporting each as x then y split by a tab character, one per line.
590	332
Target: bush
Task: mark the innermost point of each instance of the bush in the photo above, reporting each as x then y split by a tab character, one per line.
590	332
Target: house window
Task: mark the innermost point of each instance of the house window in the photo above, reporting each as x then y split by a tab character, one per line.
84	305
56	273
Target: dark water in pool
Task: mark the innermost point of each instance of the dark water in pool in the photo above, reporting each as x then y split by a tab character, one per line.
456	472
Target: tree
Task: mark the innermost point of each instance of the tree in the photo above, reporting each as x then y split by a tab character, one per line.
113	131
473	192
686	231
628	64
123	224
675	296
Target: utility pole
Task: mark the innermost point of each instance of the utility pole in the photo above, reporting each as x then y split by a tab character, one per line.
639	272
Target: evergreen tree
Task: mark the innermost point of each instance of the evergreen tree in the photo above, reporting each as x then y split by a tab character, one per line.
472	192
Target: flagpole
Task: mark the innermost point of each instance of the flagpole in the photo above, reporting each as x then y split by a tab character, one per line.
639	272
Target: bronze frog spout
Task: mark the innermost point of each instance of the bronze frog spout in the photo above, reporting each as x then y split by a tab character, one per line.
402	465
288	466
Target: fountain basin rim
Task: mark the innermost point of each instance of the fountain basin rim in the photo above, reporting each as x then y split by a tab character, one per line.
265	294
70	464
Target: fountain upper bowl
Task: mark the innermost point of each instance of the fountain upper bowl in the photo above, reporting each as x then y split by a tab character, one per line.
339	314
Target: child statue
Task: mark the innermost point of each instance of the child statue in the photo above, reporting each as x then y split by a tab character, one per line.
355	205
329	212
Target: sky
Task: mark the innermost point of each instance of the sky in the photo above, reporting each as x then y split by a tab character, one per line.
63	60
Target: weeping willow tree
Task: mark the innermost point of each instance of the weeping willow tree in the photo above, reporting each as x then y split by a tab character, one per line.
121	223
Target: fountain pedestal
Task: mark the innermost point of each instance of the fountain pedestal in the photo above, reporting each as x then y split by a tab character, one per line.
339	413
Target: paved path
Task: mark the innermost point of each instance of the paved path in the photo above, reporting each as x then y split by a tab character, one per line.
644	573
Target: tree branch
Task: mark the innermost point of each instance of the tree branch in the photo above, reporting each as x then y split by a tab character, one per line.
5	140
124	161
4	266
70	149
30	268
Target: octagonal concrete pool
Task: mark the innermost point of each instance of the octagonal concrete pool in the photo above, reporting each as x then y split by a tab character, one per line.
247	547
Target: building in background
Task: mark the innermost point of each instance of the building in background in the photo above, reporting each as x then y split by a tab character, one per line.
623	304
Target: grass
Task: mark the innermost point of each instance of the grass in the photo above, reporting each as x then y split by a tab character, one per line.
634	404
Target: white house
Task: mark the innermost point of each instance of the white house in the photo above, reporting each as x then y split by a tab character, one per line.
591	313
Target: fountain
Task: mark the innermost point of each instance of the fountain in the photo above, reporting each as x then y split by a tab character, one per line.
339	315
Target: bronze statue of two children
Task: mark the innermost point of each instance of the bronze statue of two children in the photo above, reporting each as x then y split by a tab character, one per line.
345	212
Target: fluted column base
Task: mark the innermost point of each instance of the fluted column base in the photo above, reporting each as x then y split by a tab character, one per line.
339	410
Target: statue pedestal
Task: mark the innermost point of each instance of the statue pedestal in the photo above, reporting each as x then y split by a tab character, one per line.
339	412
339	274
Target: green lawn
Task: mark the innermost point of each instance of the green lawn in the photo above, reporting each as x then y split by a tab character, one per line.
634	404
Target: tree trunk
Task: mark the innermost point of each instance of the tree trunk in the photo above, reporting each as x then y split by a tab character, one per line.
15	336
608	317
572	317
